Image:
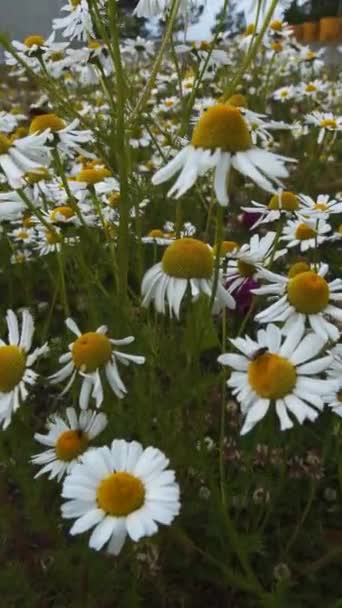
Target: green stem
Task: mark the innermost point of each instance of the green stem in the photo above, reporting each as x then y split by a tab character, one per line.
122	155
252	53
149	85
62	282
218	245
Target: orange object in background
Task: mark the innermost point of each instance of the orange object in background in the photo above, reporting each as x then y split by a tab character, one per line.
330	29
311	31
298	31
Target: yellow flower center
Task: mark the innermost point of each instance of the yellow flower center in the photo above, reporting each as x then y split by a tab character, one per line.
34	177
71	444
93	176
238	100
156	233
328	123
250	29
245	269
286	200
94	44
91	351
35	40
57	56
339	229
74	3
52	237
277	47
114	199
272	376
46	121
5	144
19	132
120	494
222	126
276	25
22	234
297	268
339	396
321	207
284	93
66	211
305	232
188	259
204	45
28	222
225	247
310	88
310	55
12	367
308	293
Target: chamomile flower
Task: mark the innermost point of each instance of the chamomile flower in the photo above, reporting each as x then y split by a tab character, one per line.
119	491
23	155
221	140
67	138
313	88
77	24
244	263
320	207
186	263
15	365
304	297
326	122
90	354
66	440
285	93
280	372
305	233
283	203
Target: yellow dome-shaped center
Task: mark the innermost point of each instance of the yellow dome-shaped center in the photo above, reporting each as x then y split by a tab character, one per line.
91	351
297	268
35	40
310	88
321	207
34	177
305	232
222	126
245	269
12	367
286	200
225	247
328	123
156	233
272	376
238	100
52	237
308	293
250	29
5	144
93	176
276	25
65	212
188	259
120	494
71	444
46	121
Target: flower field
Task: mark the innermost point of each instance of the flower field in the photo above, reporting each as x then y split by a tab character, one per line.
171	280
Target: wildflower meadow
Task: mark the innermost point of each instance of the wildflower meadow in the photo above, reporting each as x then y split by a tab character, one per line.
171	289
